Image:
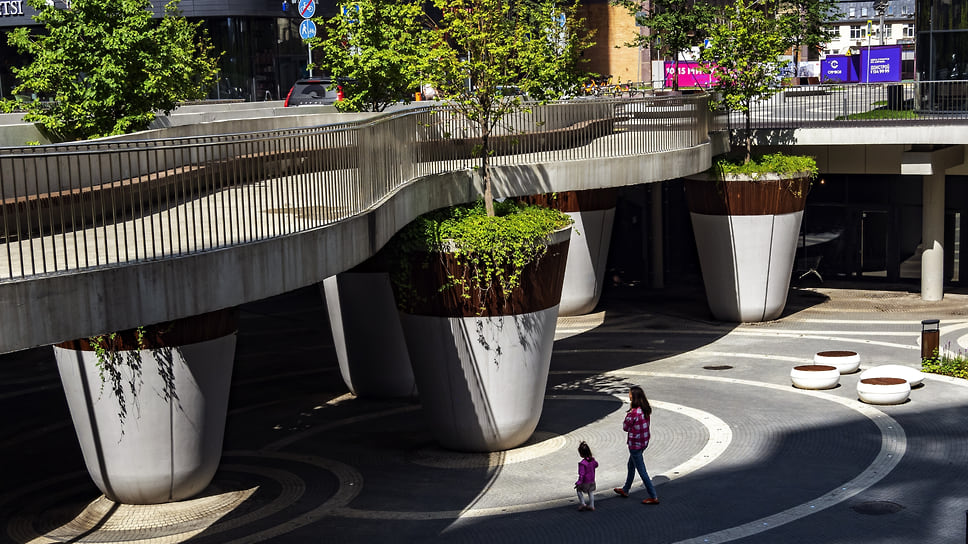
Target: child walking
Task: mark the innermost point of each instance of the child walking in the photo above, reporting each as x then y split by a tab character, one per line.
586	478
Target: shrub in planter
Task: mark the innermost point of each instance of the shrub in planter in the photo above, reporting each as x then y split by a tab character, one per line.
746	219
479	299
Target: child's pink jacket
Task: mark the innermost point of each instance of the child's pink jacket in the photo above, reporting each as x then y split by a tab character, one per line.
586	471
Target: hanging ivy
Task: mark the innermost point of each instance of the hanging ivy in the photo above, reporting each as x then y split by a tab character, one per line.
493	250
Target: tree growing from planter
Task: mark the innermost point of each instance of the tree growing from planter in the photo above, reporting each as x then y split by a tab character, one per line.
485	56
101	68
373	47
673	25
743	55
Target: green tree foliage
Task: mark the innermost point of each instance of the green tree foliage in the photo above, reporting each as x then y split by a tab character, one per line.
101	68
376	45
486	55
743	54
805	23
673	26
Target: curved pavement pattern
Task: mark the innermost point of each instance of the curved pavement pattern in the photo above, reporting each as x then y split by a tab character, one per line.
738	454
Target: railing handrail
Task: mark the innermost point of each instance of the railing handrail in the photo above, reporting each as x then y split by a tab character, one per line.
374	119
85	205
248	186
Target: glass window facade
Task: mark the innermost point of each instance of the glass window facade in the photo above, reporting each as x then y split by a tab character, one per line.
263	53
942	40
263	56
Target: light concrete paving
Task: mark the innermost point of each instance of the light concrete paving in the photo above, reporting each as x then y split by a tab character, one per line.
738	454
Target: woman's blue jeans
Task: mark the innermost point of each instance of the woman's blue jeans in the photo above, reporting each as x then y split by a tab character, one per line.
637	464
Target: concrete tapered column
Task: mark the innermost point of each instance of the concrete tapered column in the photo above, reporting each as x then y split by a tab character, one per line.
931	163
932	237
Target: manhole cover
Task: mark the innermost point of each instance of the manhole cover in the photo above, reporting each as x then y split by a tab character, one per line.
717	367
877	508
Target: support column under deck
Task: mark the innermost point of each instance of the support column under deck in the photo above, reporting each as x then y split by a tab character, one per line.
931	163
932	237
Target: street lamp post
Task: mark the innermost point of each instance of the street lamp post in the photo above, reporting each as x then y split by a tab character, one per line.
880	6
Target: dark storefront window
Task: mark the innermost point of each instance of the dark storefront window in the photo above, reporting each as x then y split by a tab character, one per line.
263	57
942	40
869	227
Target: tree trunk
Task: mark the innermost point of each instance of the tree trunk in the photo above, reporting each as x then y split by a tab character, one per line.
748	135
675	74
486	173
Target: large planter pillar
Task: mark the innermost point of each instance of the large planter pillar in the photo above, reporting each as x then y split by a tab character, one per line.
370	346
151	429
746	233
482	373
593	213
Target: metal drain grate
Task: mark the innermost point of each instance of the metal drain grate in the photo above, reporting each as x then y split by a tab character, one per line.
877	508
717	367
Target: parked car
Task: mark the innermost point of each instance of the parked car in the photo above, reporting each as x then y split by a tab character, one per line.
314	91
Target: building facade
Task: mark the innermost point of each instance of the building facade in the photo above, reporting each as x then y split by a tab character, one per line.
615	27
859	25
263	52
942	40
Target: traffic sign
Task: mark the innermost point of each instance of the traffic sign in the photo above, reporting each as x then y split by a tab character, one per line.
307	29
307	8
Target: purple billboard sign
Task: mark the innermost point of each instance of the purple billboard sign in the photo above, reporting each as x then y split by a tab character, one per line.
880	63
837	69
689	75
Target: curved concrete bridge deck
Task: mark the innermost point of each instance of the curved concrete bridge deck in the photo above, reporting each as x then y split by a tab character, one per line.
110	236
250	215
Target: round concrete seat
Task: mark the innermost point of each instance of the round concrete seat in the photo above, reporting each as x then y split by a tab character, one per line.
884	390
815	376
845	361
912	375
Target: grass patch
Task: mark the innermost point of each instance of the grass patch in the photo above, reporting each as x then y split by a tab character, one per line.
879	113
947	363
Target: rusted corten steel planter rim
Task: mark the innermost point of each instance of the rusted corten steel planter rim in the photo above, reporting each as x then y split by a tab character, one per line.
837	353
181	332
430	271
883	381
575	201
767	194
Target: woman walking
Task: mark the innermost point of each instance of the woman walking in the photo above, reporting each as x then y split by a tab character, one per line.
637	422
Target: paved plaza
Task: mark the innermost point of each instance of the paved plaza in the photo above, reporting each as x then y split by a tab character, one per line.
738	454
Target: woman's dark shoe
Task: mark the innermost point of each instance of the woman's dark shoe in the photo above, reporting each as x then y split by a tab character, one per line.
621	492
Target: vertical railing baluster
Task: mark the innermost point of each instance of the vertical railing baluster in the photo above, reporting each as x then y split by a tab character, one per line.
7	208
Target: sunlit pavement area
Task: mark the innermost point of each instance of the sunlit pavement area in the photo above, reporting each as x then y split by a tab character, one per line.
738	454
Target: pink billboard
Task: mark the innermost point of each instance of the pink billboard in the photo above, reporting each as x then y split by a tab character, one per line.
689	75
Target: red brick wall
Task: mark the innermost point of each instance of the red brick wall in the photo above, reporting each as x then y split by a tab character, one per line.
615	27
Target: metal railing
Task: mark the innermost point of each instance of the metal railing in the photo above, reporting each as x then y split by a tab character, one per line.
79	206
852	103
